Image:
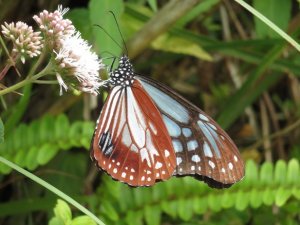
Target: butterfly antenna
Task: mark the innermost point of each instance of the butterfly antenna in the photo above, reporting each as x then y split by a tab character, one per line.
109	36
119	31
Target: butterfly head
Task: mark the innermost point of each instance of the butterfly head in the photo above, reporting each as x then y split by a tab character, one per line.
124	74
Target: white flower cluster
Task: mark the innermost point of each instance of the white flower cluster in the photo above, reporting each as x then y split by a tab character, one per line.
25	41
75	64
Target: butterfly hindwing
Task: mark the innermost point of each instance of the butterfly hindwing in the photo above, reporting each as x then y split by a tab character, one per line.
131	142
202	148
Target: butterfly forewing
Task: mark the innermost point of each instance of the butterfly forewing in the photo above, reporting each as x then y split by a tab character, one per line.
202	148
131	142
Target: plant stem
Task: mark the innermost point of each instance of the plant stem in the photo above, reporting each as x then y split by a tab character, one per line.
28	80
51	188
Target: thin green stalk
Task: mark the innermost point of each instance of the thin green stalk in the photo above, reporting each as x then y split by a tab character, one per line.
52	189
269	23
28	80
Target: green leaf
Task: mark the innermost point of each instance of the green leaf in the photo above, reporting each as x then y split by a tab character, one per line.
199	9
268	196
282	195
242	200
185	209
46	153
266	173
200	205
110	211
152	215
135	218
83	220
170	208
227	200
278	11
153	4
171	43
1	131
293	172
280	172
56	221
255	198
99	15
79	18
63	211
31	162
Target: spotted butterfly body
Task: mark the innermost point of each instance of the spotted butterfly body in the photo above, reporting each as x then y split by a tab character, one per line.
147	133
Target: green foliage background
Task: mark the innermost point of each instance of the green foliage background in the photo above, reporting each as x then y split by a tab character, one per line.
49	135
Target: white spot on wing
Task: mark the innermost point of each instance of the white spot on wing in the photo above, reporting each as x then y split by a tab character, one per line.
131	177
167	153
192	167
192	145
235	158
223	170
187	132
230	166
115	170
195	158
158	165
211	163
177	145
178	160
123	175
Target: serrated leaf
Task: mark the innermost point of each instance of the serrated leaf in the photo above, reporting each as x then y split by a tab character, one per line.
46	128
282	195
200	205
46	153
31	161
56	221
63	211
1	131
280	172
227	200
61	126
110	211
251	173
75	133
293	172
152	215
185	209
278	11
170	43
135	218
266	173
83	220
213	203
19	158
242	200
268	196
255	198
170	208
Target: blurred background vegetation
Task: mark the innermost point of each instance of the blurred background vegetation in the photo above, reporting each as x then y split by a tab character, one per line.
214	53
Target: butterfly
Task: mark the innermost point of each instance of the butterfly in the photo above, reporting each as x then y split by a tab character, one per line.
147	133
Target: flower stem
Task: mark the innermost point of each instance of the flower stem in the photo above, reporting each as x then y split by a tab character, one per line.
28	80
